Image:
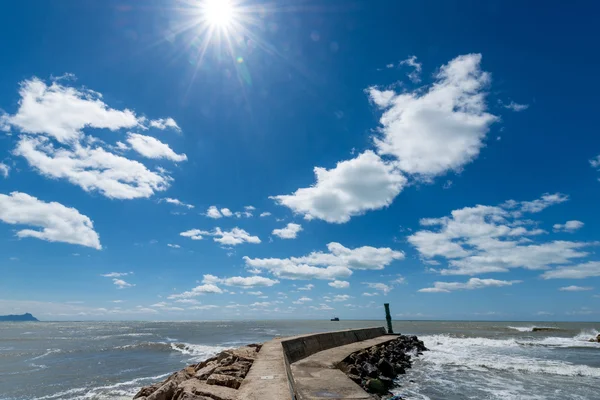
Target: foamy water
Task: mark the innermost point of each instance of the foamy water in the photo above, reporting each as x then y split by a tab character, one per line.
467	360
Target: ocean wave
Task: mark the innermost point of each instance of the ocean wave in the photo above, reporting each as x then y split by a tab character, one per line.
122	389
47	353
197	351
482	354
534	328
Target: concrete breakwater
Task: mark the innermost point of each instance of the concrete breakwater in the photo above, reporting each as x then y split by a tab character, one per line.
340	365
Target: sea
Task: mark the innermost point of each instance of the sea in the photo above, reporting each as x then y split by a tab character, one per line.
467	360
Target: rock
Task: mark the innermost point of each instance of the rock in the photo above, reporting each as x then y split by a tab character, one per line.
353	370
376	386
224	380
387	382
594	340
205	372
246	353
369	370
165	392
147	391
385	368
238	369
191	396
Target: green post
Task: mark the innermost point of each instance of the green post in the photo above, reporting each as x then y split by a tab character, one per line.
388	318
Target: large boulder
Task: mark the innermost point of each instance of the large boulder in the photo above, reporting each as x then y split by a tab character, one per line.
385	368
208	369
224	380
165	392
596	339
376	386
369	370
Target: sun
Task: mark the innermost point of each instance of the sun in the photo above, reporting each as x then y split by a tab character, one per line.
218	13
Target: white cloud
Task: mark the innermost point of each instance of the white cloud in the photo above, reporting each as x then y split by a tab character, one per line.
338	262
302	300
382	287
544	202
116	274
246	282
174	246
249	208
473	283
308	287
204	307
485	239
440	129
579	271
159	305
121	284
351	188
339	284
321	307
92	168
341	297
197	291
194	234
177	202
575	288
515	106
153	148
62	112
259	293
544	313
569	226
117	301
289	232
213	212
415	74
57	222
226	238
261	304
240	214
370	294
164	123
4	170
226	212
595	162
187	301
265	214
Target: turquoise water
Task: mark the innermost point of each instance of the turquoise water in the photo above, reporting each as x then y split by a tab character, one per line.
467	360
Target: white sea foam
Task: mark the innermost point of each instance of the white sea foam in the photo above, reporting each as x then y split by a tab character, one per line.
532	327
482	354
47	353
197	351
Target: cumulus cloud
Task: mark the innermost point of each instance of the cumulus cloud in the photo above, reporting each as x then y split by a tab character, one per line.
289	232
213	212
121	284
194	234
265	214
226	212
174	246
575	288
302	300
153	148
485	239
164	123
62	112
92	168
569	226
473	283
4	170
351	188
308	287
440	129
341	297
382	287
579	271
245	282
595	162
337	263
339	284
51	120
56	222
177	202
227	238
197	291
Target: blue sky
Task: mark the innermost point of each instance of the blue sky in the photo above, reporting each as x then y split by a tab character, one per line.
173	160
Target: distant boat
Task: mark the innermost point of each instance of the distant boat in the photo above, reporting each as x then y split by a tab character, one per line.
335	319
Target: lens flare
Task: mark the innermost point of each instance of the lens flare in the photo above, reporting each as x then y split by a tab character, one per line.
218	13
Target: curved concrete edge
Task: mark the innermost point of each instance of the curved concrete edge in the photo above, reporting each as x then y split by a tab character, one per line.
271	377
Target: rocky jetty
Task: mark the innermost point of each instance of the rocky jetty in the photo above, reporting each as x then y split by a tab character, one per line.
375	368
217	378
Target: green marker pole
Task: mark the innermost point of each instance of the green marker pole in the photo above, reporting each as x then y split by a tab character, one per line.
388	318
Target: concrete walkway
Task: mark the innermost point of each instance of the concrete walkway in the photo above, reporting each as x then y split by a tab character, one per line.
267	379
316	376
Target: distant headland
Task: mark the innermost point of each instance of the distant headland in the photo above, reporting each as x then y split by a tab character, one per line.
18	318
